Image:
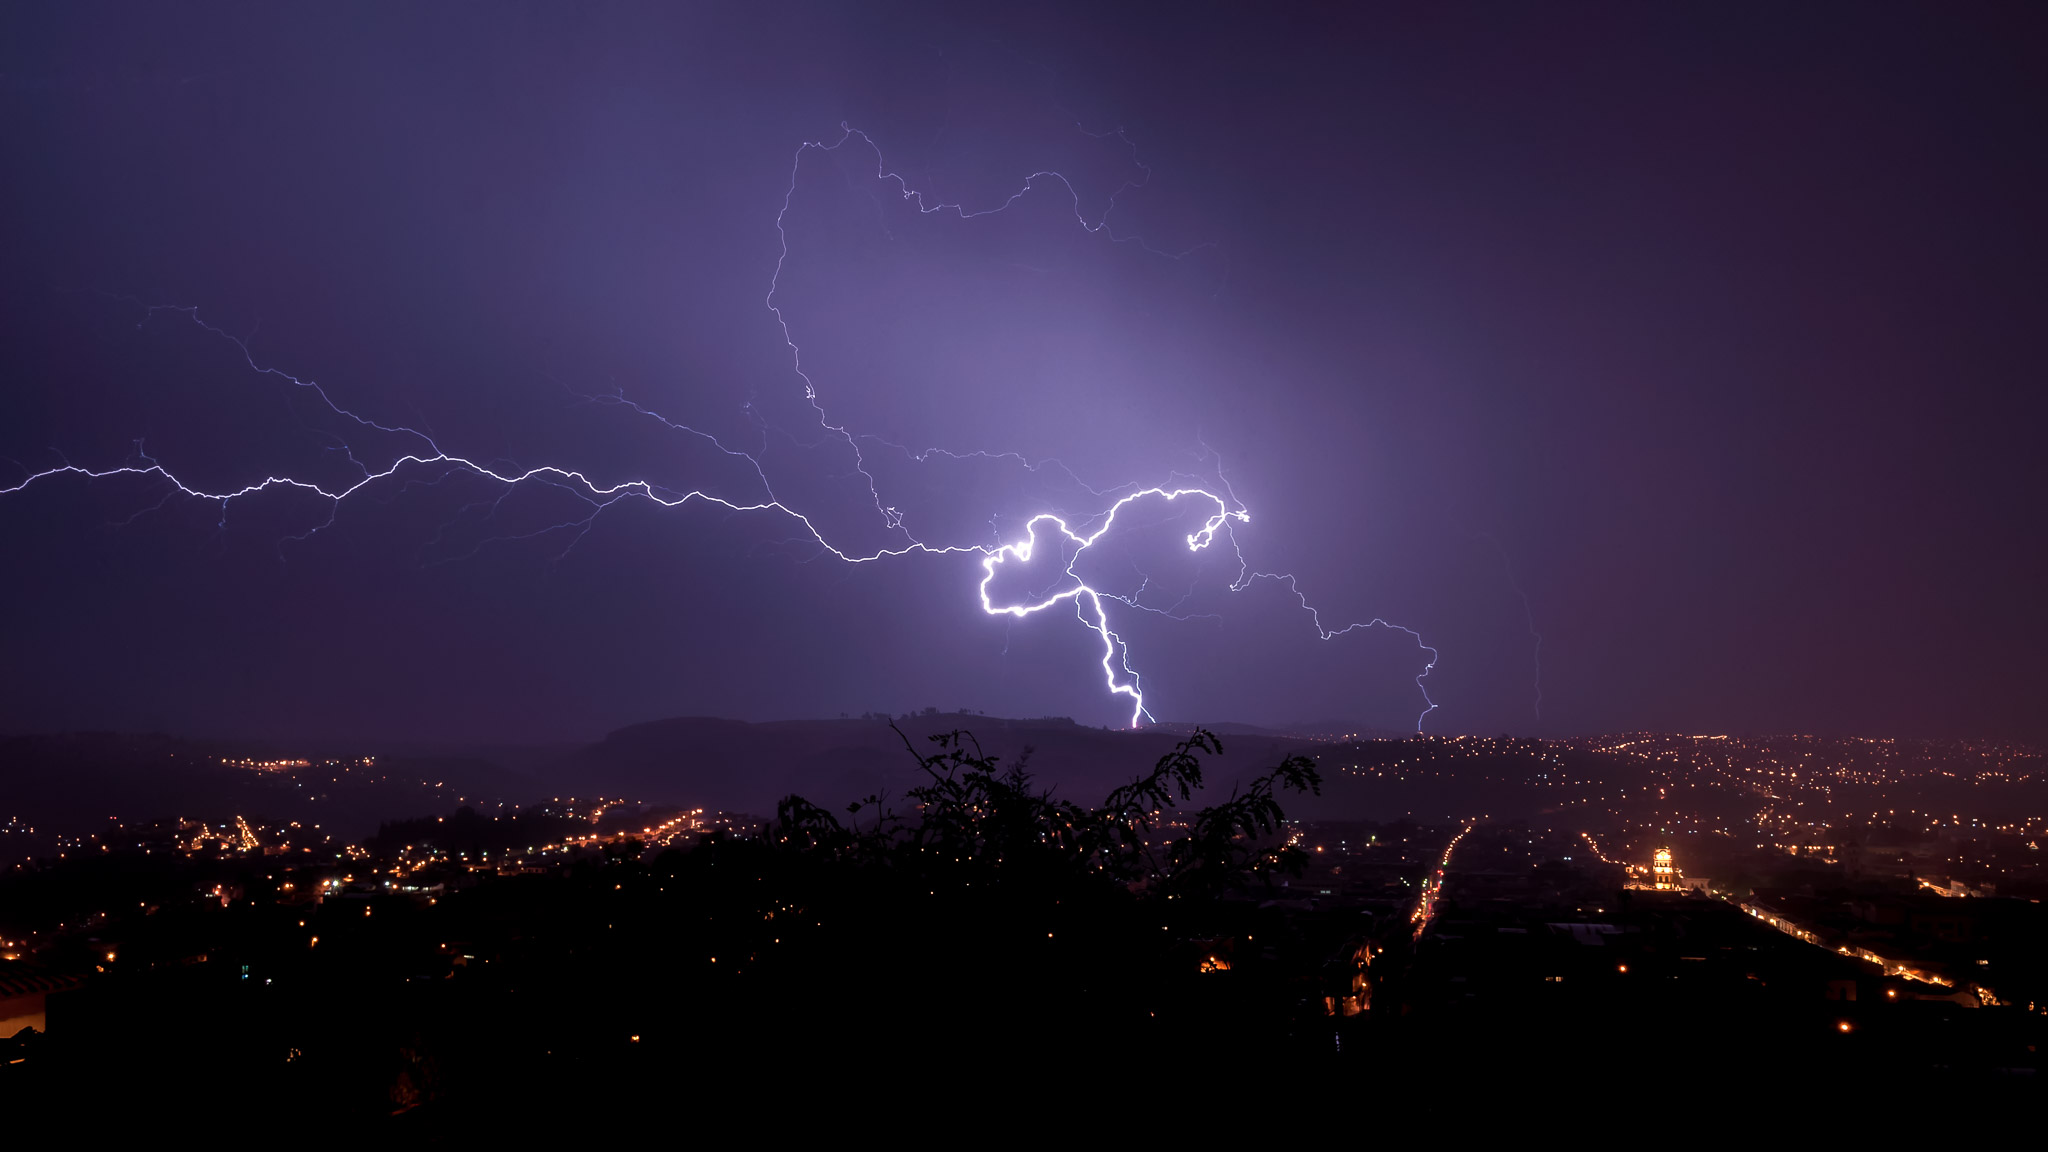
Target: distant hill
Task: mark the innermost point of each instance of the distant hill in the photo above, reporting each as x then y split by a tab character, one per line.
1326	731
70	784
739	767
74	783
733	766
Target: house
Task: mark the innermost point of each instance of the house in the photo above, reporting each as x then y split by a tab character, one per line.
24	992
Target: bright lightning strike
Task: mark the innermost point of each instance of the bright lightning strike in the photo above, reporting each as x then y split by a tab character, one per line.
1090	604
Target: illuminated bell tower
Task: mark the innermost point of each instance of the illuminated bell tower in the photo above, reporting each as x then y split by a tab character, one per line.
1663	874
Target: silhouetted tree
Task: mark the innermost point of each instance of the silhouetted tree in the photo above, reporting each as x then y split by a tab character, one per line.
974	816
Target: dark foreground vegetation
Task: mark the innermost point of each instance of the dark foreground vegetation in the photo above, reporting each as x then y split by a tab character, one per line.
983	925
978	933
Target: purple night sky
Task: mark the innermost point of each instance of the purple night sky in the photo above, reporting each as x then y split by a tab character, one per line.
1706	343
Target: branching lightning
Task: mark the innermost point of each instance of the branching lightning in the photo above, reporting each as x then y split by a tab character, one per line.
428	463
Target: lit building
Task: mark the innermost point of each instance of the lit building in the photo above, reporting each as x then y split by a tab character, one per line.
1663	874
23	991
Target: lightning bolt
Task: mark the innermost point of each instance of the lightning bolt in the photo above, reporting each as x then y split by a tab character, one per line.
426	462
1088	605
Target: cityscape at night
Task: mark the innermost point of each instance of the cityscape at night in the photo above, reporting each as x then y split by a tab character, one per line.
1447	891
759	562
